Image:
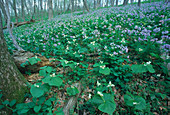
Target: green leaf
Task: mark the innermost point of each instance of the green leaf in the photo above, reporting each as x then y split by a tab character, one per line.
53	81
60	113
72	91
2	106
105	71
42	72
141	103
138	68
32	60
12	102
49	69
0	95
128	100
97	99
36	91
150	68
48	102
37	108
107	107
5	102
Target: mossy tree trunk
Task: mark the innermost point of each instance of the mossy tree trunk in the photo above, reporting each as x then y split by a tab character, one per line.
12	83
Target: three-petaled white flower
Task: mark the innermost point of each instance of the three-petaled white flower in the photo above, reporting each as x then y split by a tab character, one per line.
98	84
99	93
89	96
110	84
135	103
147	63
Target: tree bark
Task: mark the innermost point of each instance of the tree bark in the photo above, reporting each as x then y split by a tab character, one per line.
116	2
15	11
112	2
9	28
139	2
50	9
2	6
41	7
85	5
131	1
94	4
107	3
12	82
23	12
72	5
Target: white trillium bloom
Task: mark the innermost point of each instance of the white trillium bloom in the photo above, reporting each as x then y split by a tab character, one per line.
110	84
99	93
98	84
89	96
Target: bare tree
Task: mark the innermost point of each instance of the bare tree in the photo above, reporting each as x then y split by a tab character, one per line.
112	2
15	10
85	5
116	2
94	4
139	2
9	28
12	82
50	9
107	2
3	10
23	12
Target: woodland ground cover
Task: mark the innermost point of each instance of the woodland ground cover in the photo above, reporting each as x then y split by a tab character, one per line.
115	53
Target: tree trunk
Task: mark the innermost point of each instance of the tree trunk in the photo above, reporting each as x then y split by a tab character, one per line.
112	2
116	2
107	3
64	5
132	1
50	9
23	12
9	28
85	5
94	4
15	11
41	7
72	5
139	1
34	13
12	82
2	6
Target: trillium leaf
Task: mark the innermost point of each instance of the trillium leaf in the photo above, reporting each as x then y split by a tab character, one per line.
36	91
105	71
37	108
53	81
141	103
107	107
150	68
12	103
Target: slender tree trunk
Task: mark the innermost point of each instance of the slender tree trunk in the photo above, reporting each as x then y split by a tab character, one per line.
50	9
12	82
64	5
34	13
2	6
116	2
139	2
85	5
15	10
72	5
41	7
132	1
94	4
23	12
9	28
107	2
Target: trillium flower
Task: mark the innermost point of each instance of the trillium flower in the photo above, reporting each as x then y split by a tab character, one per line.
110	84
98	84
99	93
89	96
140	49
135	103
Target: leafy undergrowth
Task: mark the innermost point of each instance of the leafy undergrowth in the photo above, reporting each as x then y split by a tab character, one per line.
119	56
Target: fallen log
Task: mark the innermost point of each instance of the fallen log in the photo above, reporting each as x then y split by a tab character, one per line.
21	23
23	56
